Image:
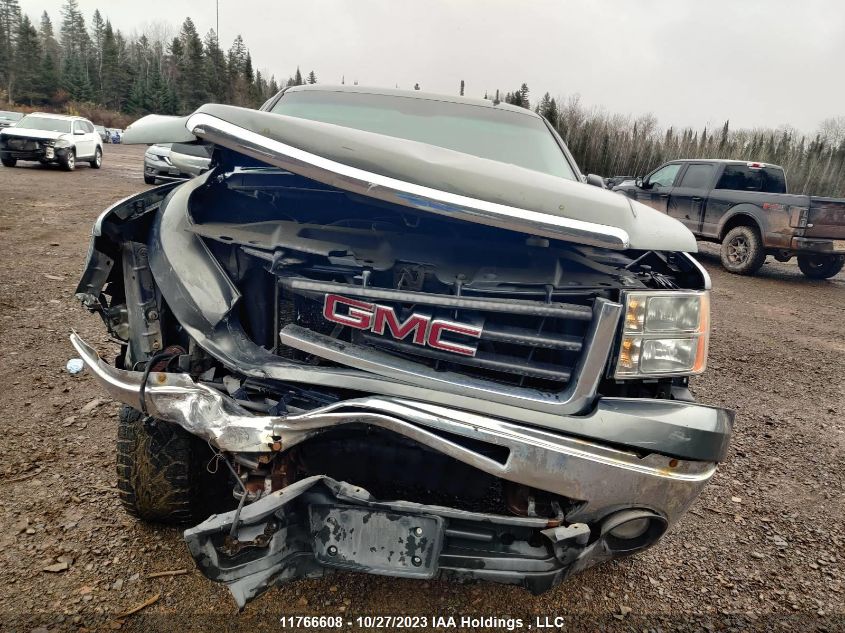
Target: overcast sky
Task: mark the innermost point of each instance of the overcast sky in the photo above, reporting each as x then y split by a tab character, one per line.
690	62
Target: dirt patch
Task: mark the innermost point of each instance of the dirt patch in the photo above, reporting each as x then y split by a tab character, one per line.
762	546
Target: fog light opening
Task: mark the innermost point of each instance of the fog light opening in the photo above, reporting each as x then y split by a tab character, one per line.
632	530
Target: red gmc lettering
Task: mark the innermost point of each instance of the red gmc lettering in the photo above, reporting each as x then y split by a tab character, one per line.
436	331
359	314
382	320
416	323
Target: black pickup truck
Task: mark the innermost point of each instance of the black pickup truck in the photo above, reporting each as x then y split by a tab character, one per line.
745	206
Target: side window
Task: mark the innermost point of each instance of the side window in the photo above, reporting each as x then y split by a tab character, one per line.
697	176
89	127
774	180
740	178
77	127
665	176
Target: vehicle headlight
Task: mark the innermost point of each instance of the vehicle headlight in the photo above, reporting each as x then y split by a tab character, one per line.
664	334
164	159
62	143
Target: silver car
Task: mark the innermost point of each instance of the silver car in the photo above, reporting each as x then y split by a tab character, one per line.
166	162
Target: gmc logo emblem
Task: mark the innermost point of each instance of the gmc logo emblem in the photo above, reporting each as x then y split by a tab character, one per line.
379	319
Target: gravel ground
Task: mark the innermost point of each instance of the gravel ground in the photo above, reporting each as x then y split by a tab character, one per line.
762	547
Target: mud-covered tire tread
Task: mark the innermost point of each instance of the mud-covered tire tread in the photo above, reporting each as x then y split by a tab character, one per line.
161	472
830	269
757	255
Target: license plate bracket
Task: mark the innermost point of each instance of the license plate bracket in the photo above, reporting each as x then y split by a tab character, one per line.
376	542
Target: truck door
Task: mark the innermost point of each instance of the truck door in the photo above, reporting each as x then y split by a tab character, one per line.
657	186
688	198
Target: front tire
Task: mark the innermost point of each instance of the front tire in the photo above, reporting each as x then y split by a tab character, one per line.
98	159
742	251
9	162
68	161
818	266
161	472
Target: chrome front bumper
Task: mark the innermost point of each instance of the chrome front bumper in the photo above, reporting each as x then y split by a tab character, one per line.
604	478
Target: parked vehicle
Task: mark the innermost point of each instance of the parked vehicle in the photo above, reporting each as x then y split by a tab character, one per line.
157	165
746	207
51	138
191	159
615	181
166	161
8	118
415	346
105	136
116	135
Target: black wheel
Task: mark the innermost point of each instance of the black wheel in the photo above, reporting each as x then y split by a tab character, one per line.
742	251
150	180
162	473
98	159
819	266
68	161
9	162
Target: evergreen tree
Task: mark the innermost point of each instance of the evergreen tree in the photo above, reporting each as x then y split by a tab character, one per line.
27	63
215	68
98	32
462	87
10	20
110	70
312	78
297	78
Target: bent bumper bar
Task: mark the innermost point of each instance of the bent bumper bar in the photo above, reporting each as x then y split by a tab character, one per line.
603	478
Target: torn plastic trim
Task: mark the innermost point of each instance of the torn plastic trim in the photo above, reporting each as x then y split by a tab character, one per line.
319	524
419	197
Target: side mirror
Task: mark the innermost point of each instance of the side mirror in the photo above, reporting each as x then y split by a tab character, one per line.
642	183
596	181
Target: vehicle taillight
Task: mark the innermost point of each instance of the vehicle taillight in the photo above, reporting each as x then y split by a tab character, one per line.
798	217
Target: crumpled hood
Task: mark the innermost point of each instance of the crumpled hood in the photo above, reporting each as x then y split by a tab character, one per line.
42	135
427	177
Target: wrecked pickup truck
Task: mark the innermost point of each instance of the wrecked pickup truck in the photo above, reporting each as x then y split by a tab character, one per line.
394	333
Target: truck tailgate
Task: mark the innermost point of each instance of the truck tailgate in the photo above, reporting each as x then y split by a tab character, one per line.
826	218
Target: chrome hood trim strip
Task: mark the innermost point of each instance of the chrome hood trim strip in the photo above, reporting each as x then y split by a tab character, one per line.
419	197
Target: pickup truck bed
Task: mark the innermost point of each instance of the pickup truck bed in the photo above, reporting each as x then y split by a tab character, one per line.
745	207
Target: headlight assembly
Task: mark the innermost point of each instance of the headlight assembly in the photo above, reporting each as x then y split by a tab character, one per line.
62	143
664	334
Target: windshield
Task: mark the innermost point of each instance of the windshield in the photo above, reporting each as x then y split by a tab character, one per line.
11	116
46	123
494	133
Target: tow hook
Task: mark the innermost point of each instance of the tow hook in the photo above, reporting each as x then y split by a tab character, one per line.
568	541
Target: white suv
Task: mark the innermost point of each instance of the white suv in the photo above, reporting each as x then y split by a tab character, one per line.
51	138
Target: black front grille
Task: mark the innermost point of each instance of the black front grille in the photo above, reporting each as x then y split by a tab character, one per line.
22	144
527	342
